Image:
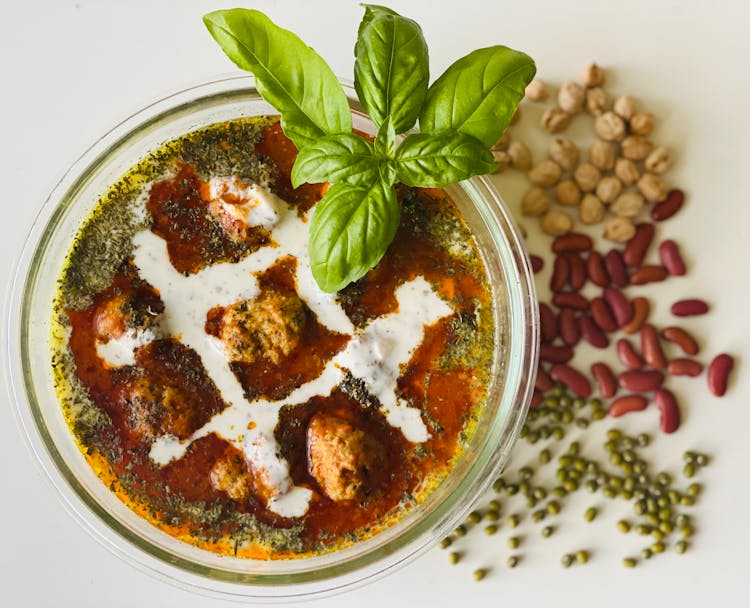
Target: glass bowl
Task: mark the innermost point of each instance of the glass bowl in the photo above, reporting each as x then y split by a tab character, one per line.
154	551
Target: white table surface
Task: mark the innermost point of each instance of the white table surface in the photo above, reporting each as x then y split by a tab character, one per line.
72	69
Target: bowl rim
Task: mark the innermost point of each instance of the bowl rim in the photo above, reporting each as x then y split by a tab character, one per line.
165	566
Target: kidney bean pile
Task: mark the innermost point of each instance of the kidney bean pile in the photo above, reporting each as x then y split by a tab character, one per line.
612	317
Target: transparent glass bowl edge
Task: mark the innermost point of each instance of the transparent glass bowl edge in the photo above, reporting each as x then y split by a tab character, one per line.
419	538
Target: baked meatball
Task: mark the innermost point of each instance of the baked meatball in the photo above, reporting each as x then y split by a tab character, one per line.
342	458
240	206
111	318
120	313
154	410
230	475
266	328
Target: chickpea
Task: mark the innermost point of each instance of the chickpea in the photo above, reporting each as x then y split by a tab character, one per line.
591	209
570	97
535	202
587	176
536	90
597	101
603	154
564	152
608	189
627	171
592	76
555	120
610	126
568	193
546	173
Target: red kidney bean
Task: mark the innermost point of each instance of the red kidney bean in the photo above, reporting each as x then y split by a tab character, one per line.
718	373
641	380
641	310
572	378
543	381
669	411
669	206
577	277
684	367
628	403
648	274
570	300
689	308
555	354
682	338
602	315
628	355
573	241
638	245
560	273
536	399
671	258
547	323
592	334
537	263
569	331
619	305
596	270
605	379
651	349
615	266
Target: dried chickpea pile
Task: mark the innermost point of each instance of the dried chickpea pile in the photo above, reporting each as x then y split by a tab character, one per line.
610	186
611	182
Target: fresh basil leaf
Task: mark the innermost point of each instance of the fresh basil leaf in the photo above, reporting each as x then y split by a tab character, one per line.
385	142
478	94
391	68
350	231
434	161
336	158
371	11
289	74
388	173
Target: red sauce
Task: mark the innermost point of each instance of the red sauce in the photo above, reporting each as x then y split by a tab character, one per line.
175	372
194	239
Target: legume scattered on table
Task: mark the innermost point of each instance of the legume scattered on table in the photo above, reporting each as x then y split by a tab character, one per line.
621	178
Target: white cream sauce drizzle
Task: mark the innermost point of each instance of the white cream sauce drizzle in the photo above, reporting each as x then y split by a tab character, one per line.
375	354
117	352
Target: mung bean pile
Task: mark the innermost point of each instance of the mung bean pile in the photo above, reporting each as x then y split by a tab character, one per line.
660	503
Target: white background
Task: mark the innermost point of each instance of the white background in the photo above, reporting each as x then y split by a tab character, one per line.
71	70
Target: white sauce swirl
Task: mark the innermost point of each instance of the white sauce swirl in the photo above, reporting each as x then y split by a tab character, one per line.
375	354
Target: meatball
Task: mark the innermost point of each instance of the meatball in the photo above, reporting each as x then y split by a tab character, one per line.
111	318
239	206
229	474
116	315
153	410
268	327
342	458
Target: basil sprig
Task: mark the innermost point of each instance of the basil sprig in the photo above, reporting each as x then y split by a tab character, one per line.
460	116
